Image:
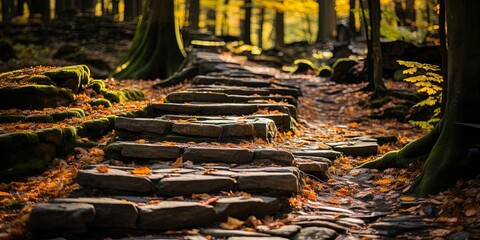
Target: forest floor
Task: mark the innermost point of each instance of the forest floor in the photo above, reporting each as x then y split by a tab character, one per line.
328	112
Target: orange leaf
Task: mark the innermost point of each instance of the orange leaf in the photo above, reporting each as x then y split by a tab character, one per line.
294	202
141	171
231	223
333	201
4	194
178	162
102	169
342	192
353	125
309	194
407	199
383	182
210	200
140	141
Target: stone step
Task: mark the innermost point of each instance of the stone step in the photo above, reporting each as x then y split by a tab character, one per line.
239	90
217	97
282	121
230	81
171	181
85	214
125	150
159	128
219	109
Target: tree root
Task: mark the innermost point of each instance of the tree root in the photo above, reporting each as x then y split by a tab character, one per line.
416	150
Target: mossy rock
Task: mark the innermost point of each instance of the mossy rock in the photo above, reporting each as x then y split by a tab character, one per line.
101	102
303	66
344	71
11	118
69	141
34	97
378	102
325	71
39	119
113	96
16	148
134	94
22	170
97	85
41	80
71	113
95	128
51	135
67	77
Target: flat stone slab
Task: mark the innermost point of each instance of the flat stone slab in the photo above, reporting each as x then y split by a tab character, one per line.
148	150
220	97
109	212
187	184
320	233
243	207
283	231
114	179
218	155
231	81
195	179
277	156
197	129
222	233
218	109
143	125
168	215
330	154
203	127
358	148
308	165
69	217
287	182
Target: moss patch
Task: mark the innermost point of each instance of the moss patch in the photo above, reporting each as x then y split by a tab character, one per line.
101	102
34	97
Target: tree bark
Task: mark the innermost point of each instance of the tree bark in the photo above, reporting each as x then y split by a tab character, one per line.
351	20
279	30
193	14
451	147
376	66
326	20
247	23
260	27
156	50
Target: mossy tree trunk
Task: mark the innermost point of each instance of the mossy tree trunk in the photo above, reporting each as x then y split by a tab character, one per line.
156	50
449	146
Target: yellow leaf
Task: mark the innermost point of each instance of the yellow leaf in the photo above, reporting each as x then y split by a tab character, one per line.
178	162
333	201
384	189
141	171
102	169
407	199
231	223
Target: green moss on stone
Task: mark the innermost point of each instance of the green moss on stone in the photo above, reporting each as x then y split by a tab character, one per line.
11	118
97	85
11	140
22	170
95	128
34	97
39	119
41	80
101	102
325	71
113	96
51	135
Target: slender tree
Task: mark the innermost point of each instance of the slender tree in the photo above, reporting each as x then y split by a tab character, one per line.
156	50
375	68
279	30
449	150
326	20
247	22
193	14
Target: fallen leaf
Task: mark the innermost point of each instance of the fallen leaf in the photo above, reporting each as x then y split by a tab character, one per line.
383	182
178	162
471	212
231	223
141	171
342	192
294	202
140	141
4	194
447	219
407	199
333	201
210	200
440	232
102	169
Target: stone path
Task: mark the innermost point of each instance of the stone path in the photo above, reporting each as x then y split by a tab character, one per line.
197	171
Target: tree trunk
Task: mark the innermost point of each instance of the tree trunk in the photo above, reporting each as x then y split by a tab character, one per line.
326	20
351	20
375	73
260	27
444	54
211	20
410	13
279	30
130	12
400	12
450	148
225	17
156	50
193	14
247	23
